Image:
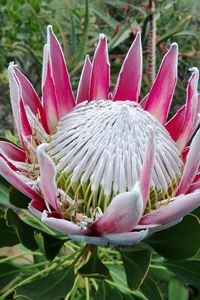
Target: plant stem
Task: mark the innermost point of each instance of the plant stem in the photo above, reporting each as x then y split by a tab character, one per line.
151	44
3	260
87	289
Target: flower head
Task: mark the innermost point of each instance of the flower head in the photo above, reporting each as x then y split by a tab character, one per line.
104	168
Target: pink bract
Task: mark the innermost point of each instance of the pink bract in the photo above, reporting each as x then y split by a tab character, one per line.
104	168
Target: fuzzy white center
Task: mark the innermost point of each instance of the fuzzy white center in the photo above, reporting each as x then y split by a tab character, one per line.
104	142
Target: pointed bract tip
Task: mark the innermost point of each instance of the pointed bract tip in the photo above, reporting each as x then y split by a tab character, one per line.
102	36
87	58
41	148
138	36
195	71
49	28
11	64
49	33
173	50
174	46
103	43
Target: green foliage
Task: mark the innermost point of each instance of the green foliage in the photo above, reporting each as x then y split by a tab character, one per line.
136	264
94	267
50	287
178	242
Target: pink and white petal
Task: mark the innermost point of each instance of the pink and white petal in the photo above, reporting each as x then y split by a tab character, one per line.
193	187
175	124
191	165
144	101
184	154
83	92
198	112
161	93
123	213
48	93
176	209
28	95
147	167
100	76
91	240
47	179
60	75
25	125
126	238
130	76
195	184
36	207
62	225
163	227
15	97
190	111
16	179
11	151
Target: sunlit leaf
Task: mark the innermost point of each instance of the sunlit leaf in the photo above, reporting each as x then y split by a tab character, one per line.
177	290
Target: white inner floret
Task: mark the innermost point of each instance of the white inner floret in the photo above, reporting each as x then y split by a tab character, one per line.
101	144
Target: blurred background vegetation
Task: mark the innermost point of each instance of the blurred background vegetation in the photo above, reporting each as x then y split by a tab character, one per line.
78	23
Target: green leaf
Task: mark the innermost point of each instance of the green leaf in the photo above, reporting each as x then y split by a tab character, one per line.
7	274
51	287
84	38
136	262
177	290
151	290
73	36
48	245
160	273
119	277
94	267
2	213
38	225
7	234
24	231
4	191
111	22
18	199
188	270
106	292
178	242
120	37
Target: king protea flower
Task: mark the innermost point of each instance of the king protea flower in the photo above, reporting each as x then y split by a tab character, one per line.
104	168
